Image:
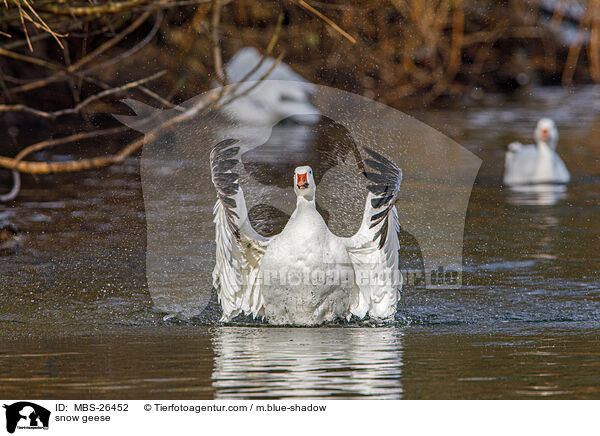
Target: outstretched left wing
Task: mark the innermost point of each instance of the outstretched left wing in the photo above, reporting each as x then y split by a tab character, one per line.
373	250
239	247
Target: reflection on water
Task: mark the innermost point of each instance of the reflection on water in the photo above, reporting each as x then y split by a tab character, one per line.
307	362
536	195
192	362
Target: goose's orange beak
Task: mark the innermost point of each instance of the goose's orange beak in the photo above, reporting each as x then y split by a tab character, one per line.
302	181
545	134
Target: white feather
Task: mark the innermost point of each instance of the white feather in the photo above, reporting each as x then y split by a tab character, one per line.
365	266
377	298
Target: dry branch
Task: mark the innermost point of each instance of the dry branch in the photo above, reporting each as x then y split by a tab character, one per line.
216	40
84	103
14	191
403	51
66	140
108	8
328	21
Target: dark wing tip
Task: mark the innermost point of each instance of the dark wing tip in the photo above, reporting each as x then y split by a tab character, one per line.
385	178
222	162
384	175
375	155
226	143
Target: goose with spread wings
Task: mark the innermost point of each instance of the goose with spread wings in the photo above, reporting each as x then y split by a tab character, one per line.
306	275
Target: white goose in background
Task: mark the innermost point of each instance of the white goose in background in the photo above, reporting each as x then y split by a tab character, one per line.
272	100
306	275
536	163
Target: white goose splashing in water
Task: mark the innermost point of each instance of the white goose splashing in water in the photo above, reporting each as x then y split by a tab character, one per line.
254	274
176	176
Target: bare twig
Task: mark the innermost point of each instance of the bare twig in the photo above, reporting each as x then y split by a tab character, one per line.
66	140
132	50
99	162
63	72
270	48
184	3
328	21
202	107
14	191
43	24
594	45
260	80
20	42
111	42
80	106
107	8
72	86
29	59
3	85
573	56
216	40
24	26
457	40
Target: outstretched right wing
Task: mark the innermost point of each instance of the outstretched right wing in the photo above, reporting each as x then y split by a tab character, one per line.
373	250
239	247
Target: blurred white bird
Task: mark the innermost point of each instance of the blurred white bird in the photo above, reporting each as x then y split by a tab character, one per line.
536	163
283	94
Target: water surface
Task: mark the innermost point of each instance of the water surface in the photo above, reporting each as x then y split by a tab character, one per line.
77	319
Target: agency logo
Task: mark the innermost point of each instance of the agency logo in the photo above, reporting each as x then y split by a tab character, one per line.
26	415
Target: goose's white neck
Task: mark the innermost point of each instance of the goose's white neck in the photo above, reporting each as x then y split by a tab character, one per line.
543	146
303	202
304	207
306	220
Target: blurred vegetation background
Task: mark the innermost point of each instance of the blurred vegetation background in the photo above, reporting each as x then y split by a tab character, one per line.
403	52
64	65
